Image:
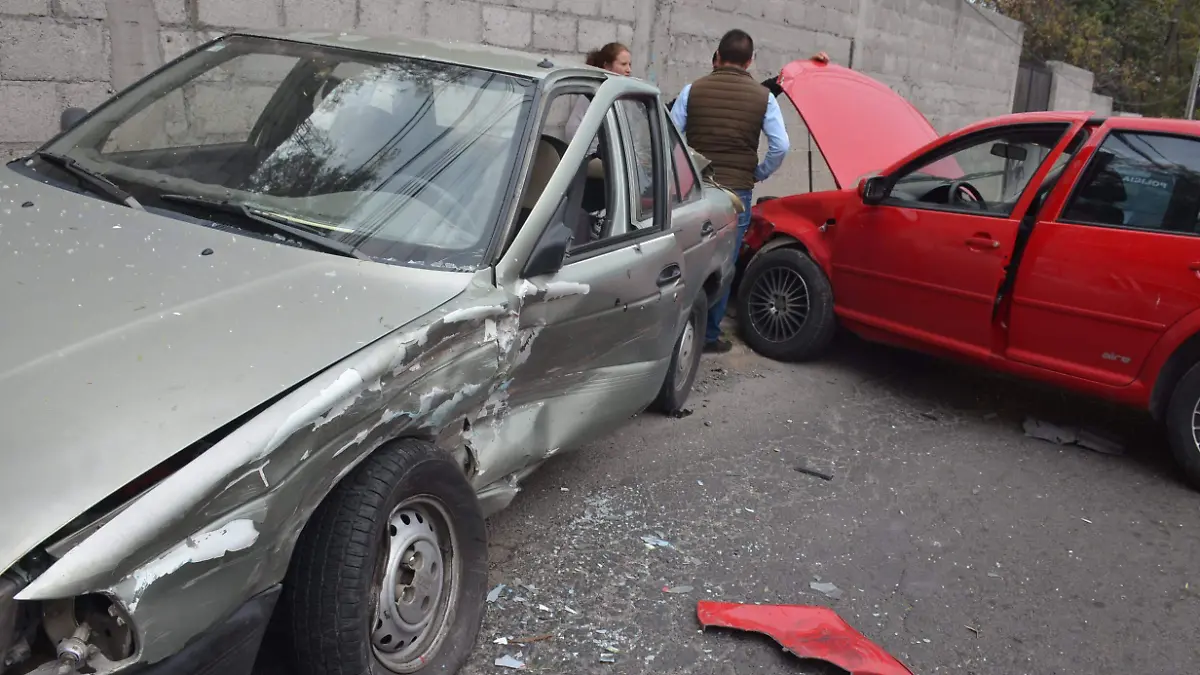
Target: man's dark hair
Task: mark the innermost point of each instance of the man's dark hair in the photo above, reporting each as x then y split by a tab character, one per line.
736	48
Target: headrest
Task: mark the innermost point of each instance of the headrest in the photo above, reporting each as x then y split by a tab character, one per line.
545	161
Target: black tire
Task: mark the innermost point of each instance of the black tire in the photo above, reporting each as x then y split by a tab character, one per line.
1179	423
341	562
761	331
677	385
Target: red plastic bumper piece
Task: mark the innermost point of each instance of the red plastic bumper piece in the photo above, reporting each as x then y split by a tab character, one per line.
808	632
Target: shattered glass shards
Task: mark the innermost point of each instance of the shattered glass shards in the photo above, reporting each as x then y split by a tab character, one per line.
510	662
827	589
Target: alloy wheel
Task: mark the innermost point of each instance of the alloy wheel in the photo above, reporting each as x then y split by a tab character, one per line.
779	304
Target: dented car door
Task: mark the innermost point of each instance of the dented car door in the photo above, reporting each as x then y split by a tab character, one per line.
604	323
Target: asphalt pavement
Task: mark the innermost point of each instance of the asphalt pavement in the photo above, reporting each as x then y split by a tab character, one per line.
955	541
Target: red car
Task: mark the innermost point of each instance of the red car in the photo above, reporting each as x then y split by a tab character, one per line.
1056	246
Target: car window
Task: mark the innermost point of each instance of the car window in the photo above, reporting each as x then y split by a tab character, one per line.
685	184
222	105
407	160
562	116
1143	181
640	146
986	176
590	203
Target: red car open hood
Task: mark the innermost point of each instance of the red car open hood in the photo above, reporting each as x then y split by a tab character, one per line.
859	124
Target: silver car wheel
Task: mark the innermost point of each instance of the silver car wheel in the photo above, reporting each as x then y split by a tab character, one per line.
683	355
418	587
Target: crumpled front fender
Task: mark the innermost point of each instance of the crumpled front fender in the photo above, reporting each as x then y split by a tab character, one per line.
222	528
808	219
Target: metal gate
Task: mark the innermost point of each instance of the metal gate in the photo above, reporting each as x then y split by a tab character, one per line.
1033	87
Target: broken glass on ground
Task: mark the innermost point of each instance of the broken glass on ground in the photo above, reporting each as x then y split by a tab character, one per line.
827	589
655	542
510	662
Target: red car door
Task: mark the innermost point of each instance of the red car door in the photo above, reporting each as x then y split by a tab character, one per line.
1115	258
925	263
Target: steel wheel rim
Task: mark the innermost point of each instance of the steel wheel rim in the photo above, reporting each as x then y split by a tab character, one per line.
683	355
418	587
778	304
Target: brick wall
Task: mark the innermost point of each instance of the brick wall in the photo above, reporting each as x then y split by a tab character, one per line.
954	62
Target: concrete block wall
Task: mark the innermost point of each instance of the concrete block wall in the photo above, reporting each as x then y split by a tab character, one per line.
1070	87
1101	105
956	63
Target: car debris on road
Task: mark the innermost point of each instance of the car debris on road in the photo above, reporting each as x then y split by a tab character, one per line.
807	632
510	662
827	589
1095	441
823	475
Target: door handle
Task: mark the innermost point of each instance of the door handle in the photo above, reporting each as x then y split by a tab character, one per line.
707	230
669	275
982	241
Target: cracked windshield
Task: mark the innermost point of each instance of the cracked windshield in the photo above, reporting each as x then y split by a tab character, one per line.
400	160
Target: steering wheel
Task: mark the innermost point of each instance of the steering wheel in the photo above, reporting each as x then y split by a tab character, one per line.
456	212
960	186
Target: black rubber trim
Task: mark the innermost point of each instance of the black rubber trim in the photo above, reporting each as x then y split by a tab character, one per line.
227	648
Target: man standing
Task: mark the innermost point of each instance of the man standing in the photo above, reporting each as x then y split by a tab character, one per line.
722	115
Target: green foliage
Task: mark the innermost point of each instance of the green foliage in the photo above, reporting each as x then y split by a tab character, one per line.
1141	51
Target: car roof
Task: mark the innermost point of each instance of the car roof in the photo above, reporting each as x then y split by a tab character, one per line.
1149	124
485	57
1040	117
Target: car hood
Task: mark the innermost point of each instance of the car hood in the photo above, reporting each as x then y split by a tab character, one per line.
128	336
859	124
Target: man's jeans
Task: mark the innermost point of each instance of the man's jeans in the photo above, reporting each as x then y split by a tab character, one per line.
717	311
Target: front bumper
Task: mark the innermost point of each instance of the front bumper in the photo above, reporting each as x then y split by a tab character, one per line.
227	648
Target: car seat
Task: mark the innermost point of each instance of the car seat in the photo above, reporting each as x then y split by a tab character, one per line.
545	160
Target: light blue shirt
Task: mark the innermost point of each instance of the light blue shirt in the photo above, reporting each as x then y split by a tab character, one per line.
773	126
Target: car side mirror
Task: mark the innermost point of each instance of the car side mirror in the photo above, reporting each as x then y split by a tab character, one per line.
70	117
873	190
550	251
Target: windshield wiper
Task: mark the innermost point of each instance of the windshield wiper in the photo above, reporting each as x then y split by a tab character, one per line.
90	179
274	221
